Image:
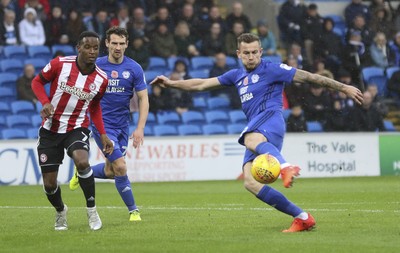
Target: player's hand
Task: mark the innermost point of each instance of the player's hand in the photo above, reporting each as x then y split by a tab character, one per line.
354	93
138	137
108	146
47	111
163	81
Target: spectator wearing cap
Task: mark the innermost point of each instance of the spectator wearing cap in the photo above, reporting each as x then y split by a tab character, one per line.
267	38
311	30
31	31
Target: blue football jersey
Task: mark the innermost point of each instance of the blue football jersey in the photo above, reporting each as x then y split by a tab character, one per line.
260	89
123	80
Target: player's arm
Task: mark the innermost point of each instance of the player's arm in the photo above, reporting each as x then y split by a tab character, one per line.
195	84
307	77
138	134
97	119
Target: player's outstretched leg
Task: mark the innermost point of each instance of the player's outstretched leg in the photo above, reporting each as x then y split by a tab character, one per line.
288	171
123	186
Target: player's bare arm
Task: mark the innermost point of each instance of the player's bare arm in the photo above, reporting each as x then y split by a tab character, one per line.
138	134
195	84
351	91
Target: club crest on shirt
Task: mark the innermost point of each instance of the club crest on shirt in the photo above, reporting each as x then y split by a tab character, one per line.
92	87
114	74
246	81
126	74
255	78
43	158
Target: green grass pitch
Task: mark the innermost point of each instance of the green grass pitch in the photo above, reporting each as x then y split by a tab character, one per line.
353	215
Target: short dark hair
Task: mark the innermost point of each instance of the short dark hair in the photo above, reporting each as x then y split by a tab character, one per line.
86	34
122	32
247	38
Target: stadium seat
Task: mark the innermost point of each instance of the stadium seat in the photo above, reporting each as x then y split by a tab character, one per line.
8	80
168	118
202	73
15	52
157	63
7	94
171	62
369	72
193	117
237	116
273	58
219	103
3	123
151	119
8	134
286	113
18	121
199	103
381	83
389	126
151	74
217	117
314	126
189	130
5	109
231	62
12	66
148	130
201	62
41	52
32	133
36	120
377	76
23	107
235	128
390	71
38	106
165	130
66	49
212	129
38	63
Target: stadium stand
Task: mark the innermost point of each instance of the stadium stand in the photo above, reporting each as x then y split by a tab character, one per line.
12	66
15	52
13	134
201	62
7	94
42	52
189	130
217	117
23	107
218	103
8	80
66	49
163	130
157	63
212	129
5	109
314	126
18	121
235	128
193	117
168	118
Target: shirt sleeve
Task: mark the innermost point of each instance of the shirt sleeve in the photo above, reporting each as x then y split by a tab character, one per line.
228	78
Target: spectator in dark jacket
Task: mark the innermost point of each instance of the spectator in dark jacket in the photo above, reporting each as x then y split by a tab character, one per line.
311	31
296	121
237	15
24	89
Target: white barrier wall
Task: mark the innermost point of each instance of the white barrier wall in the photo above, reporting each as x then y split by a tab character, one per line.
207	158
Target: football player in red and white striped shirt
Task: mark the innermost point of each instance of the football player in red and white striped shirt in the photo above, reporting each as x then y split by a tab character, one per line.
76	87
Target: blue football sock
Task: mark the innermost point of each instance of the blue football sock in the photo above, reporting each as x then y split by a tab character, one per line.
98	171
276	199
266	147
123	186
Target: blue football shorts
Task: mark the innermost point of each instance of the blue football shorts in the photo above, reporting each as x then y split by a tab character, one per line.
271	124
120	138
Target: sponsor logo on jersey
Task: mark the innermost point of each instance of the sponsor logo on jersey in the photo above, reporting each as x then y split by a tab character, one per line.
114	74
126	74
76	91
255	78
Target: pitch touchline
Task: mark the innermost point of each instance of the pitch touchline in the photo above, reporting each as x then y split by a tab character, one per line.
177	208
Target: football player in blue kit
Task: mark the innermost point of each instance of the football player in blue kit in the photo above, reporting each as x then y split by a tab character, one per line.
260	86
125	76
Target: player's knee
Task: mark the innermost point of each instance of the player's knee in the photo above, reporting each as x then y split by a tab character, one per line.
82	165
120	170
251	185
49	187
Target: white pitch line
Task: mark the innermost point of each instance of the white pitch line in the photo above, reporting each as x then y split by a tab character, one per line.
177	208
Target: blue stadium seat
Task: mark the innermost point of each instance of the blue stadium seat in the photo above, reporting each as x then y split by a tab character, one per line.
171	62
12	66
5	109
38	106
157	63
201	73
23	107
217	117
390	71
151	74
36	120
168	118
148	130
3	123
193	117
151	119
369	72
7	94
15	52
199	103
219	103
66	49
389	126
273	58
8	80
237	116
212	129
201	62
18	121
189	130
165	130
38	63
235	128
42	52
232	62
314	126
376	75
13	133
381	83
286	113
32	133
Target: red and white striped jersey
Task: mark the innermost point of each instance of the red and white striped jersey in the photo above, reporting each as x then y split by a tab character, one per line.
71	93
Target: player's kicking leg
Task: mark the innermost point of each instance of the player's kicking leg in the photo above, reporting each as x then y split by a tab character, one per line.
302	220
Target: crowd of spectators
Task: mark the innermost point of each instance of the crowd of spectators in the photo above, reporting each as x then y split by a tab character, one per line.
370	36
